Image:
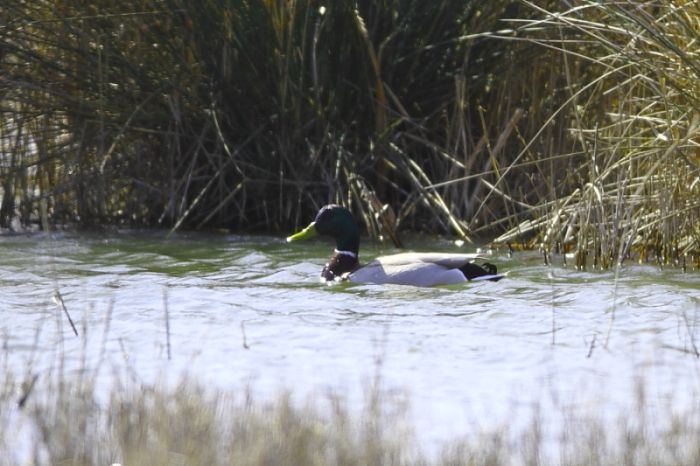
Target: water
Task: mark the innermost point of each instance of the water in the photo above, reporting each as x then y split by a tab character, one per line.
250	312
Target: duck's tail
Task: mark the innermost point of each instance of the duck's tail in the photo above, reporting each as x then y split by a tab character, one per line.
472	271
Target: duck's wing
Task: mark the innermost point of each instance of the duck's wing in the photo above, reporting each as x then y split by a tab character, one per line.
446	260
415	273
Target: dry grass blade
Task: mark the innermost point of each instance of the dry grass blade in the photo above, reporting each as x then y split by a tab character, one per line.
58	299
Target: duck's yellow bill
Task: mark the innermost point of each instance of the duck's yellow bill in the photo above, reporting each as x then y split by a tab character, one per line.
306	233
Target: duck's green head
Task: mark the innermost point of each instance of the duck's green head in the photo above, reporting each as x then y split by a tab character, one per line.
334	221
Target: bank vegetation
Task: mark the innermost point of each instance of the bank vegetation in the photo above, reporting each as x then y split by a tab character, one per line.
534	124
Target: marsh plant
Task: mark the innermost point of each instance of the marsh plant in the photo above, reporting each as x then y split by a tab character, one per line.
631	72
570	127
247	114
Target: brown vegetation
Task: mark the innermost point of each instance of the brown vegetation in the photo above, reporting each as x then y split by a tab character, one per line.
571	130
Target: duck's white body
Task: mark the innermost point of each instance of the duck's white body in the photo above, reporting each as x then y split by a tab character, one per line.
417	269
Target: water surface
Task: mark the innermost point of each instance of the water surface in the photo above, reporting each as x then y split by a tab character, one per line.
250	312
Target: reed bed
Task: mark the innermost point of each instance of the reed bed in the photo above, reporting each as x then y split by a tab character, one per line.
631	70
246	114
571	130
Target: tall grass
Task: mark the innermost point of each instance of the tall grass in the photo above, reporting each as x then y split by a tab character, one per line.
250	114
631	70
569	129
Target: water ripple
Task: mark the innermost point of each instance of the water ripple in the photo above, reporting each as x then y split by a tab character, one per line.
473	345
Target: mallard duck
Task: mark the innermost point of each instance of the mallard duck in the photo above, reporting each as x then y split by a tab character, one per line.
411	268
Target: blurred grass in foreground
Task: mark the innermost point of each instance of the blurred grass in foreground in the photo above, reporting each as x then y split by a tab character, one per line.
63	423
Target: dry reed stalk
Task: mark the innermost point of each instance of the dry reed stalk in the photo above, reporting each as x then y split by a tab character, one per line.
166	315
58	300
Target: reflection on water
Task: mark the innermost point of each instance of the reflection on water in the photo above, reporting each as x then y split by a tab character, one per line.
464	354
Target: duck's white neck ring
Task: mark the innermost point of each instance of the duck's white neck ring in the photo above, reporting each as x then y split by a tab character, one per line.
346	253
